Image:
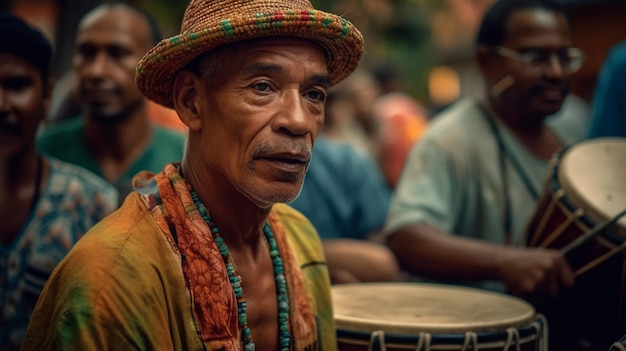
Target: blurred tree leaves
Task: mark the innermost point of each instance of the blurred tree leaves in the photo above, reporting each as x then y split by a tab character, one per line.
169	13
396	32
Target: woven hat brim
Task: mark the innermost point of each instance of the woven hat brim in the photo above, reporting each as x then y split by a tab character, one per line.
342	42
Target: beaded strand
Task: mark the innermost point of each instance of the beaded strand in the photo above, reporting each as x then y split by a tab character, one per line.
281	290
235	281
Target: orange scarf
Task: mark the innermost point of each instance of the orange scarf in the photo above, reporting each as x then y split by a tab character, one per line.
214	301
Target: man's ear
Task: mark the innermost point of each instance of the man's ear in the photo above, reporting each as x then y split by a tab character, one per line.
186	99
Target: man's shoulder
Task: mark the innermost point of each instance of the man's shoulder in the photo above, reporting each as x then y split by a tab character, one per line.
72	179
617	54
337	158
296	224
127	231
288	213
62	138
68	128
459	125
302	235
75	172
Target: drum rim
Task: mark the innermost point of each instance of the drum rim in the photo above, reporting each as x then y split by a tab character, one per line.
525	317
571	200
525	332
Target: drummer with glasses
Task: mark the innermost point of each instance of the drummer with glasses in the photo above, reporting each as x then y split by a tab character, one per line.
471	184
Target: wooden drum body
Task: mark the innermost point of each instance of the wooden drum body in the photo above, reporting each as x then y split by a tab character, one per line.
421	316
580	212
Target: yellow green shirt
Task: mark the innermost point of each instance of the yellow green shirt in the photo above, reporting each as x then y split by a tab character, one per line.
122	286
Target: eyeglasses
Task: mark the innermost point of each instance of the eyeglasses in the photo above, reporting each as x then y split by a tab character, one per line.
570	59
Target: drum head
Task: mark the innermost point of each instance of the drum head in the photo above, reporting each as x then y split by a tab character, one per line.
592	174
405	308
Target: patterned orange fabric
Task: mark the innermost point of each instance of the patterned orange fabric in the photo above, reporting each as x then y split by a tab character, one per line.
214	301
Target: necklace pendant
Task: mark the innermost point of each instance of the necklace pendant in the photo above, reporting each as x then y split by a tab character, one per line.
249	347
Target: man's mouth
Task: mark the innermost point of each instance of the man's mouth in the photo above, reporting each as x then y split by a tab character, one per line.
288	162
7	127
98	96
551	93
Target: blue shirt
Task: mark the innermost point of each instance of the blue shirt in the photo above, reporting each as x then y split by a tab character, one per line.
344	193
608	106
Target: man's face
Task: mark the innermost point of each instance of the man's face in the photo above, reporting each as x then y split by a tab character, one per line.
109	44
22	104
538	90
265	108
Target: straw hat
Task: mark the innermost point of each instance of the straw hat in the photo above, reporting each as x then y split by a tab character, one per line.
208	24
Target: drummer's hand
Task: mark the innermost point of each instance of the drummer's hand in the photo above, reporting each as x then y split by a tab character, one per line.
535	273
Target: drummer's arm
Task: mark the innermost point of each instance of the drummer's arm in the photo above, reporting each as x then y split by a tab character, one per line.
432	253
428	251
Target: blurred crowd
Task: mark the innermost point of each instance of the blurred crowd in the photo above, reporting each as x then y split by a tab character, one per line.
397	191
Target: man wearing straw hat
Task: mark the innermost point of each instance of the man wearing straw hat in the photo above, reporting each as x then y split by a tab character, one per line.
203	255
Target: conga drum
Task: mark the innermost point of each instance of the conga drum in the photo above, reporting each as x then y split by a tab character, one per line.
581	212
423	316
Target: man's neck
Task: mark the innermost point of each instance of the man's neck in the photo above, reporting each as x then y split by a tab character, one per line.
117	138
525	126
530	131
18	170
117	146
239	220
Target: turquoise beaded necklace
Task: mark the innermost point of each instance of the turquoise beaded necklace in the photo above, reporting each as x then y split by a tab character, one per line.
235	281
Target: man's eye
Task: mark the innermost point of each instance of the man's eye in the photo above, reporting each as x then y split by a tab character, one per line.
536	57
565	57
316	95
18	83
87	51
261	87
118	52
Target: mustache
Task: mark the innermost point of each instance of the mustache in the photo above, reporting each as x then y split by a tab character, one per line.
10	127
99	85
564	88
284	147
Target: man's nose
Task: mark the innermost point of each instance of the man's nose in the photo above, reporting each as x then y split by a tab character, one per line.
295	116
98	65
555	67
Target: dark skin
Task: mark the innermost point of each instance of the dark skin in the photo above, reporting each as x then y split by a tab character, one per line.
109	43
532	273
23	101
532	96
261	114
